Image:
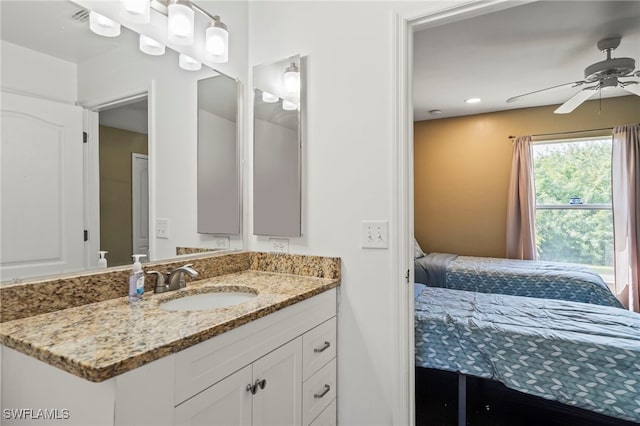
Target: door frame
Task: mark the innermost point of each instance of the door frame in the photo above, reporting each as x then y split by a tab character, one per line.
92	165
405	22
136	196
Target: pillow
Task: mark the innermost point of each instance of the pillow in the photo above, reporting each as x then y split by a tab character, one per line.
417	250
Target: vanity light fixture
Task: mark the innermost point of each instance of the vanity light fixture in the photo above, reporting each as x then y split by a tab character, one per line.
181	22
137	11
180	28
150	46
103	26
188	63
288	105
291	79
269	98
217	40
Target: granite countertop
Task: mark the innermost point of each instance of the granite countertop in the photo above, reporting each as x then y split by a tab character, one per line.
100	340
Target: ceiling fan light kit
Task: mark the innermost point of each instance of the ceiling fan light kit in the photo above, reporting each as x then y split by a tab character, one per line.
605	74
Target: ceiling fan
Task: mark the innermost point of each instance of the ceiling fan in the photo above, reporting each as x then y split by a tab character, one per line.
601	75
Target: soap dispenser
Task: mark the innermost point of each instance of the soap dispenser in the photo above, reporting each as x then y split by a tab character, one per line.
136	279
102	262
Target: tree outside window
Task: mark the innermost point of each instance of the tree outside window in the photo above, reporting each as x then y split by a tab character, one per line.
574	222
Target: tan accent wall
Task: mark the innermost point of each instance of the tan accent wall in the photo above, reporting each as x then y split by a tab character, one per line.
116	229
462	168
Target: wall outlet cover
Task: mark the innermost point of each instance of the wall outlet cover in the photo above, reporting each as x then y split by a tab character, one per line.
278	245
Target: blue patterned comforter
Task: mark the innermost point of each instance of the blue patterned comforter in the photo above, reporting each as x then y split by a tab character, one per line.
531	278
578	354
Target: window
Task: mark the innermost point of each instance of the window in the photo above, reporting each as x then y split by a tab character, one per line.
574	222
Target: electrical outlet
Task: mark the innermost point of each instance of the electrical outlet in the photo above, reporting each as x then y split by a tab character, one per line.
278	245
375	234
162	228
221	243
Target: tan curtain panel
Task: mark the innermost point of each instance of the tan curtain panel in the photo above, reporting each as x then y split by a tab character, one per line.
625	182
521	203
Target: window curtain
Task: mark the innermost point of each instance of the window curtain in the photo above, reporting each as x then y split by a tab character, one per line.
625	182
521	203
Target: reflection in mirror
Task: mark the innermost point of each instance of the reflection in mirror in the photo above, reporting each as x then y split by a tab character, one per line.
278	108
219	203
51	63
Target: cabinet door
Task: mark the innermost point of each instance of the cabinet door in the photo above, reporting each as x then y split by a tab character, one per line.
279	403
227	403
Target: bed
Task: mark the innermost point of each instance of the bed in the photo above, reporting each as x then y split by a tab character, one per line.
579	354
546	280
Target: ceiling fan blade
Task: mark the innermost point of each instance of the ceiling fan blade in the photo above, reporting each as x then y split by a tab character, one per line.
633	87
577	99
574	84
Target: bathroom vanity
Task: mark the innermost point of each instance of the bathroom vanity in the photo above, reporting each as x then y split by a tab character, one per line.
268	360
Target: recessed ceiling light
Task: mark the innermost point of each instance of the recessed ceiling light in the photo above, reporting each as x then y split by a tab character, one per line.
473	100
435	112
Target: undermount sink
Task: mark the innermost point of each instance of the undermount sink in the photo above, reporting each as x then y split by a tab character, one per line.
211	300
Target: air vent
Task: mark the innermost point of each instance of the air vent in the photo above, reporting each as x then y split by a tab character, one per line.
81	16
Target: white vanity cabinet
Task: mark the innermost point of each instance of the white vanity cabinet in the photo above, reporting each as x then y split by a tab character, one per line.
292	350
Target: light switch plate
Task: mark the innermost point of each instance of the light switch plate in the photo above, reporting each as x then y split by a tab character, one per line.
375	234
162	228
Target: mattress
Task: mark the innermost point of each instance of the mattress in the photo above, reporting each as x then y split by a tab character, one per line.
579	354
541	279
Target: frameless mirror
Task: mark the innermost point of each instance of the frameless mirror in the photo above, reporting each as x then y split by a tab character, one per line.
279	90
52	62
219	201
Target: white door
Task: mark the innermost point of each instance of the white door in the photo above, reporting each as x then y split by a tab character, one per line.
41	194
227	403
140	203
279	403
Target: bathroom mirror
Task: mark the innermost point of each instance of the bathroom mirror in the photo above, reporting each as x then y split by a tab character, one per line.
219	200
279	94
56	33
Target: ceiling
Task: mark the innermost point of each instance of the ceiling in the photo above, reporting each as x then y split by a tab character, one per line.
517	50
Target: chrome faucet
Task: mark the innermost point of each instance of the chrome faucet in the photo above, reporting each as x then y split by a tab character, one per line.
175	279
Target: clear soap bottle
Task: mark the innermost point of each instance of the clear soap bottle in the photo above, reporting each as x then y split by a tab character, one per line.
136	280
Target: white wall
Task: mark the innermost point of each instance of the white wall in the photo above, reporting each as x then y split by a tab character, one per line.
28	72
347	175
174	105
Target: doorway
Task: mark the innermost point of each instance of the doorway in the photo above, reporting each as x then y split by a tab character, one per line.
122	181
426	15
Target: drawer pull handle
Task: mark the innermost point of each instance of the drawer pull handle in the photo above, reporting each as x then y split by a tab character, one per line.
326	390
323	348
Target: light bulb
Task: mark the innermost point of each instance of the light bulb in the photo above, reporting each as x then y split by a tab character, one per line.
269	98
217	41
150	46
103	26
188	63
291	79
288	105
180	22
137	11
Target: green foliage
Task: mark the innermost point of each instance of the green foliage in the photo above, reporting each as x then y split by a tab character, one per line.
574	169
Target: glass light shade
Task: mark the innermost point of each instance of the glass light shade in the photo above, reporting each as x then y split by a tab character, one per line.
150	46
180	23
291	79
217	41
102	25
188	63
288	105
137	11
269	98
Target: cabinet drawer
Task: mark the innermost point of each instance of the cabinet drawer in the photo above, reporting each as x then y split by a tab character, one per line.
318	391
328	417
318	347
